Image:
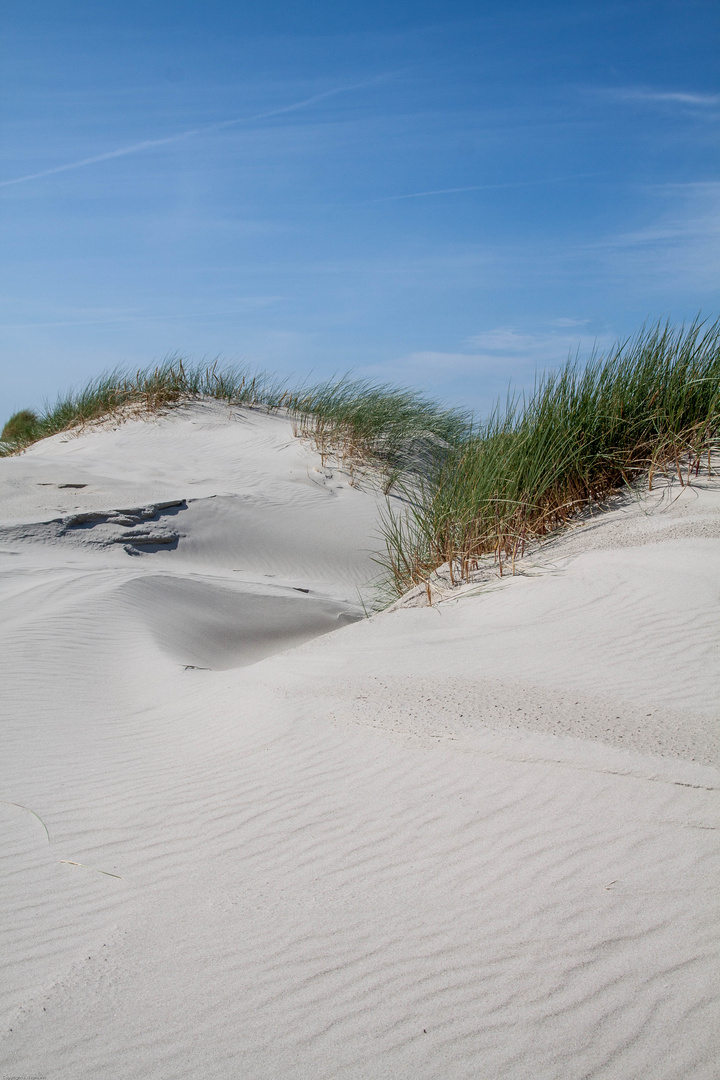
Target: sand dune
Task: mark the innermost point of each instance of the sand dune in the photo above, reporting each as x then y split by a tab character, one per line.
472	840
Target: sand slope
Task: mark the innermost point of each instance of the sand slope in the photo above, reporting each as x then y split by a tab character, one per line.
474	840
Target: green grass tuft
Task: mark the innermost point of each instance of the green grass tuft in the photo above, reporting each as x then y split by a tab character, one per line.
364	422
469	489
583	433
21	429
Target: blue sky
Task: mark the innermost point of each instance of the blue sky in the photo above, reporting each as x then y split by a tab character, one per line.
443	194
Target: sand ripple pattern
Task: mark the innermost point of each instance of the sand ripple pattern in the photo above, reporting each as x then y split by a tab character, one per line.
345	906
337	863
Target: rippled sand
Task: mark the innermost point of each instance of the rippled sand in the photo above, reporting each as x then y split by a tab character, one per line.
472	840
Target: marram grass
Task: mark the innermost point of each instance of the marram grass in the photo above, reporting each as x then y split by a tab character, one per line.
153	389
468	488
583	433
366	423
21	429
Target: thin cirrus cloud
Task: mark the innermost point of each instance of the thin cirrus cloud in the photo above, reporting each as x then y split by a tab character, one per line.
508	352
151	144
692	211
106	320
483	187
508	341
672	97
680	248
545	348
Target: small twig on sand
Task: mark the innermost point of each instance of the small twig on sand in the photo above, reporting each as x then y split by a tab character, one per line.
70	862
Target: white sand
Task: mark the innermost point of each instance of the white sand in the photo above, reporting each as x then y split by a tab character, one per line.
472	840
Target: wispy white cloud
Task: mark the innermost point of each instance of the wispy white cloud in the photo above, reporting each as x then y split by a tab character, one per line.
479	372
167	140
505	352
569	322
691	211
550	346
679	248
440	191
109	318
508	340
482	187
651	96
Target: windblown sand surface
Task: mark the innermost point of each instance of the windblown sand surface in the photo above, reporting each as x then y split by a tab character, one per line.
476	840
